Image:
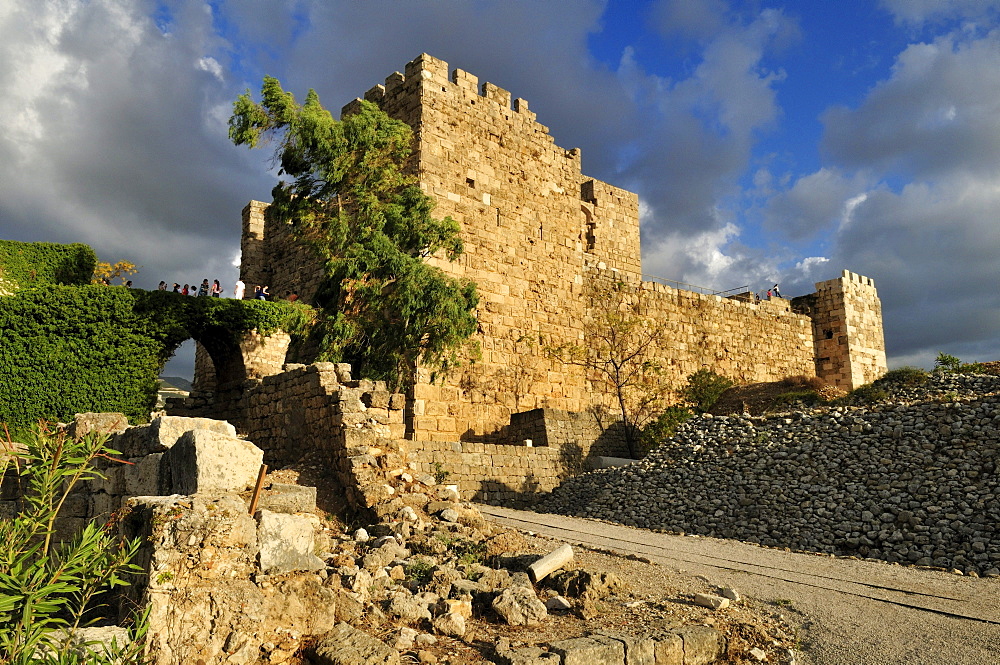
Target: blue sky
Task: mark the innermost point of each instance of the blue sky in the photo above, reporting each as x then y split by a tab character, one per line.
768	141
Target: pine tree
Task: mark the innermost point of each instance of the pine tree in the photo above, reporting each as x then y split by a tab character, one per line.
384	308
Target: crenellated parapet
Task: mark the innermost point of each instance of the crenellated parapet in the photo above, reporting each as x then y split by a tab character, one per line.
847	330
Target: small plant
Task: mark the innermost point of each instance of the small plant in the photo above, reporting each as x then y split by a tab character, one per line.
867	394
49	589
946	363
904	377
164	577
440	473
420	571
663	426
469	552
782	602
704	389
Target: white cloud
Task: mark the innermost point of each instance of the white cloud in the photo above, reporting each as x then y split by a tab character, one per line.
915	12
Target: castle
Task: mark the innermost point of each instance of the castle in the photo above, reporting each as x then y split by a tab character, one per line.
537	233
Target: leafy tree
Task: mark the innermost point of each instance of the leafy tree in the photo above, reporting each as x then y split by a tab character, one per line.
349	196
622	347
49	589
108	271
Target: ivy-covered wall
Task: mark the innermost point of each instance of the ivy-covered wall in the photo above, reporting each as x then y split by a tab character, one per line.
37	263
70	349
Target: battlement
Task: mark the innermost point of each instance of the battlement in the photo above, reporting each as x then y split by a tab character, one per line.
537	232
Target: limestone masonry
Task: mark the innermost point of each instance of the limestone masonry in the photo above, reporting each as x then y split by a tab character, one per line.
538	233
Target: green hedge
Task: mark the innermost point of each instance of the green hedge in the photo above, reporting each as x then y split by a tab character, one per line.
37	263
70	349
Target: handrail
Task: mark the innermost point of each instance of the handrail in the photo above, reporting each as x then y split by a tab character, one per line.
683	286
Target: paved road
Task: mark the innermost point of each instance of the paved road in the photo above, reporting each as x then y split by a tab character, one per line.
849	612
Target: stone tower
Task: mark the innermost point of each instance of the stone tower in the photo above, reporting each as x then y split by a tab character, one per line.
537	232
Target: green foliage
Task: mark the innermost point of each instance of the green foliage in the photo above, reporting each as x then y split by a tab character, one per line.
47	589
419	570
867	394
704	388
949	363
440	473
384	308
904	377
25	264
663	426
66	350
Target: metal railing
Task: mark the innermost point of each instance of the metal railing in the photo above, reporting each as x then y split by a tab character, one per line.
684	286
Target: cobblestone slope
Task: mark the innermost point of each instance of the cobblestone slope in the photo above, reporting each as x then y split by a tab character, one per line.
911	480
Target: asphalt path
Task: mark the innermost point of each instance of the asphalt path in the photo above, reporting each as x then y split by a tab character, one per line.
847	611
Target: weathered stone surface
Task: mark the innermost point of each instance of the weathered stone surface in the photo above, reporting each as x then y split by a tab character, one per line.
286	543
710	601
452	623
551	562
96	423
638	650
206	461
589	651
669	650
346	645
519	606
288	498
702	645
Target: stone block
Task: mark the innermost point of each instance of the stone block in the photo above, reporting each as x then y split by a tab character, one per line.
669	650
163	433
702	645
345	645
286	543
206	461
288	498
638	650
147	476
99	423
589	651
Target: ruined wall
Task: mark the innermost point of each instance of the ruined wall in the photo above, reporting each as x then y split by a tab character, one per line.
847	324
272	257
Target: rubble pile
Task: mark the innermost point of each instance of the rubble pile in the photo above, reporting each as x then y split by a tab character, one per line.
912	479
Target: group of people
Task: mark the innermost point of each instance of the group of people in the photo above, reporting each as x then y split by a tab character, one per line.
215	290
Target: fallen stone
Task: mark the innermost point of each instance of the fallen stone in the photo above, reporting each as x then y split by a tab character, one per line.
550	563
452	624
519	606
558	603
731	594
288	498
345	645
710	601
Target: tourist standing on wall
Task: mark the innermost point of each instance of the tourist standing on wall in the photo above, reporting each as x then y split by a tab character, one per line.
264	293
177	287
162	286
216	289
239	290
203	289
186	290
777	293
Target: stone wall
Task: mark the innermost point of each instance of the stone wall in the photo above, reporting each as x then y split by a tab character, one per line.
536	231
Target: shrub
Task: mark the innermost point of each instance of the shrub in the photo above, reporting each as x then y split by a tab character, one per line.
704	389
951	364
49	589
24	264
663	426
71	349
867	394
904	377
807	397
